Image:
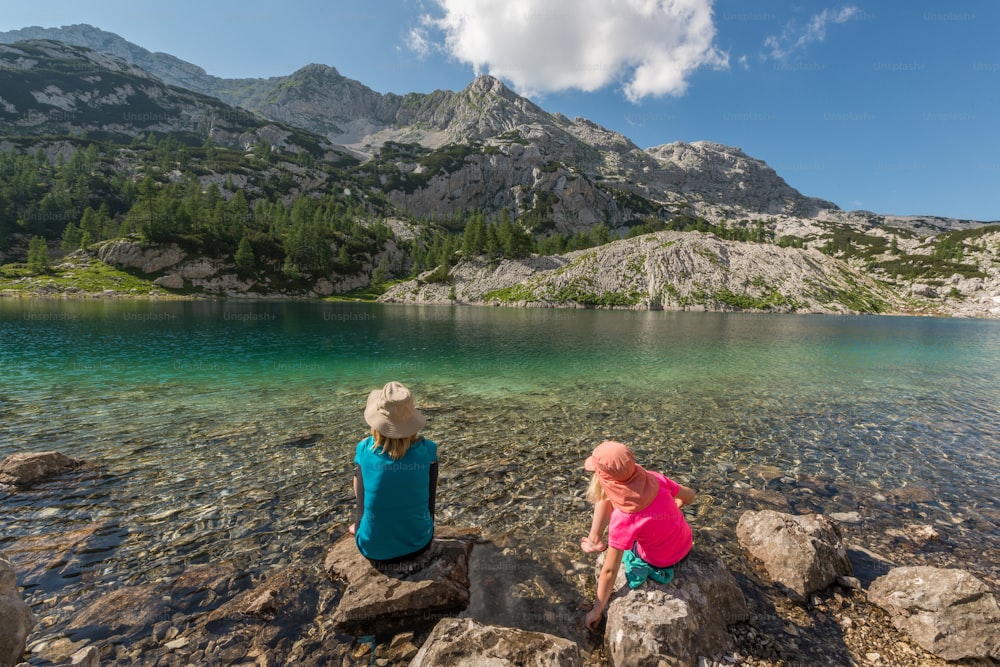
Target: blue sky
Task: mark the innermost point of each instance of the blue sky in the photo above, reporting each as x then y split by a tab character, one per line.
886	106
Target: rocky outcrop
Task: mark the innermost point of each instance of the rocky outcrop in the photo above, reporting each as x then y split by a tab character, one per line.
804	553
131	254
948	612
16	619
463	642
26	468
408	596
679	623
667	270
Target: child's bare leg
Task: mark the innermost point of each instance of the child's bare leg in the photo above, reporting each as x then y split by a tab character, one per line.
594	542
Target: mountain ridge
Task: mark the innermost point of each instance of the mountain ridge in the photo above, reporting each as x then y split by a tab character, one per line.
437	161
50	88
318	98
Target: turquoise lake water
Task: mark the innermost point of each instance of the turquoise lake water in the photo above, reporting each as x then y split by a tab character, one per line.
226	429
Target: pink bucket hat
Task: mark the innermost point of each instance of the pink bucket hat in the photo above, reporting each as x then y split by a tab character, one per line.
391	412
628	485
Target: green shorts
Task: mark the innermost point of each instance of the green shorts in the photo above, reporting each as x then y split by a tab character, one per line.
637	571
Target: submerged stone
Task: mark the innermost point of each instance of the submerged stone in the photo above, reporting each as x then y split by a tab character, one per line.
26	468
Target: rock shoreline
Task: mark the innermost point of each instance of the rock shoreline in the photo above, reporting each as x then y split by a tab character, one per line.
798	594
658	271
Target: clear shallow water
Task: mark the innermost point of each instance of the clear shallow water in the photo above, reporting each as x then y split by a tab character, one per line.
225	430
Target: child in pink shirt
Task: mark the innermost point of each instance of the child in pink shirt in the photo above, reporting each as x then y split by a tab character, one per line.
641	510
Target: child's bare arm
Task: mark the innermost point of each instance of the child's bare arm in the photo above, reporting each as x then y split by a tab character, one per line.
685	496
605	586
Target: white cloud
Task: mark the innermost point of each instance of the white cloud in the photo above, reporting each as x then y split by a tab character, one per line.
650	47
420	43
795	36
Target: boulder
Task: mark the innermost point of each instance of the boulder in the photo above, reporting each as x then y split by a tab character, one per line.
25	468
948	612
462	642
170	281
16	618
678	623
804	553
408	596
127	253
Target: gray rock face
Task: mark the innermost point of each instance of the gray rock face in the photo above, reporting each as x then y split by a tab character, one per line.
725	173
463	642
16	619
948	612
676	624
802	552
407	596
24	468
512	179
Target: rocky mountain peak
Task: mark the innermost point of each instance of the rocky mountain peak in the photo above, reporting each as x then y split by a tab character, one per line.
318	69
487	84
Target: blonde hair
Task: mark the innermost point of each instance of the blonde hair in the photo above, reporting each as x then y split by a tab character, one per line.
396	448
595	492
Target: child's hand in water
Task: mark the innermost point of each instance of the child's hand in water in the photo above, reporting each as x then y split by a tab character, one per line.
592	546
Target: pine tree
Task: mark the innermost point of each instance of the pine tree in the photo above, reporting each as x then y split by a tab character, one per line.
244	257
474	236
38	256
71	237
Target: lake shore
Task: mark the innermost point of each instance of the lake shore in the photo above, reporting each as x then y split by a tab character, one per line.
161	296
171	621
662	271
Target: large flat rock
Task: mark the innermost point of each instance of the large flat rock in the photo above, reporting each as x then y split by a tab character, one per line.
408	596
462	642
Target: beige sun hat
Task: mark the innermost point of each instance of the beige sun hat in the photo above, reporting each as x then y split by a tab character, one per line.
391	412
